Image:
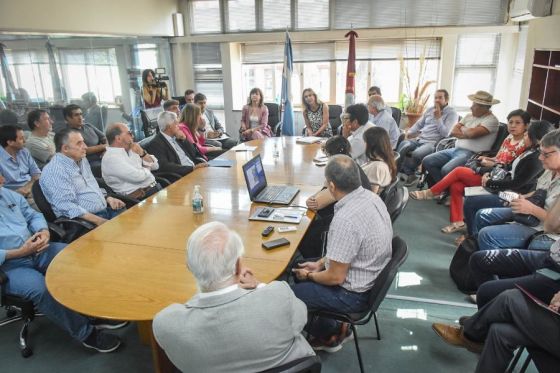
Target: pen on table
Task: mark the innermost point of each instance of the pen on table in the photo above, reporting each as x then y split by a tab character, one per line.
291	216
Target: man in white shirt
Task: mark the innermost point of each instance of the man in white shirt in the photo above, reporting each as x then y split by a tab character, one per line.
354	124
233	324
476	132
126	166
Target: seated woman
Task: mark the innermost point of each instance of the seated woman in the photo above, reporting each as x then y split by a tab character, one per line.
315	115
461	177
521	177
493	227
190	122
323	203
380	167
254	118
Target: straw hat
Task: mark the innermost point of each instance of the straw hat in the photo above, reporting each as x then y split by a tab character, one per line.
483	98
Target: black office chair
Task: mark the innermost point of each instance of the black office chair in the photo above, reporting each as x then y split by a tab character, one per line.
398	159
396	201
396	113
17	309
73	228
149	127
334	118
376	296
274	118
389	190
544	361
310	364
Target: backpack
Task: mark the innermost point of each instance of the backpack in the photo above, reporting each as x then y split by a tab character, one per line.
459	267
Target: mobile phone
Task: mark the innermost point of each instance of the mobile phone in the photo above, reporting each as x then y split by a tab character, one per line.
265	212
508	196
275	243
546	272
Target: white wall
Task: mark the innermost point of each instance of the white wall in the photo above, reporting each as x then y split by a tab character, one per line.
543	33
115	17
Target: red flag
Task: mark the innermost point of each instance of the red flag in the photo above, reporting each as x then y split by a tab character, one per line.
351	69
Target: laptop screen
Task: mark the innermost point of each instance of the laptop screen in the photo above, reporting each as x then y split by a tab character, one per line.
254	176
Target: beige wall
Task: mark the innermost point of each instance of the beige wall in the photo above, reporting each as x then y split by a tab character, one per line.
543	33
115	17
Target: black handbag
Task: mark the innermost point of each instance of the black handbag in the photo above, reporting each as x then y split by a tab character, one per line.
538	198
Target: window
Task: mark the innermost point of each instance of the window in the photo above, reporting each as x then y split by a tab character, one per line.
241	15
30	71
147	56
475	67
276	14
91	70
322	67
208	73
205	16
312	14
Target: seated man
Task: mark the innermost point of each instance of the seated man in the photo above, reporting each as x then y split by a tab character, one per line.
94	139
174	155
16	163
510	321
25	254
476	132
356	254
213	128
172	106
354	124
40	142
69	185
253	326
421	138
383	118
189	96
126	166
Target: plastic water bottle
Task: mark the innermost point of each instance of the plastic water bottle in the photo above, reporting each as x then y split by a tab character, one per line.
197	201
275	152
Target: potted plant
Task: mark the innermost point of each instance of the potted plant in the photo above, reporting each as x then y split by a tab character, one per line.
414	101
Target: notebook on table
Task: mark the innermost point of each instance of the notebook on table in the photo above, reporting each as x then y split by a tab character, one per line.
535	300
260	191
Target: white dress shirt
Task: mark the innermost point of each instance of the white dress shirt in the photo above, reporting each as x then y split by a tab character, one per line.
125	171
358	145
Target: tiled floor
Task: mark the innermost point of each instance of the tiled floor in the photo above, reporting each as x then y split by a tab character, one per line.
422	294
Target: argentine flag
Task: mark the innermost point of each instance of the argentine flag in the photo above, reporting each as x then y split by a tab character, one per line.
286	100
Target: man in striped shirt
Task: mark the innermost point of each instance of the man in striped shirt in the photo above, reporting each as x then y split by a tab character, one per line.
69	185
358	248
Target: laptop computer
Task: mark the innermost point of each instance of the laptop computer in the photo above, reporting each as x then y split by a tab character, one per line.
260	191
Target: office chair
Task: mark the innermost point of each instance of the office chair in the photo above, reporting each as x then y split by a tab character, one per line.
274	118
17	309
389	190
310	364
73	228
395	198
334	117
396	113
544	361
376	296
398	159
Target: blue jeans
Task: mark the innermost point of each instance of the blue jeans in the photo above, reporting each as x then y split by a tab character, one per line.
441	163
26	278
413	152
473	204
494	234
329	298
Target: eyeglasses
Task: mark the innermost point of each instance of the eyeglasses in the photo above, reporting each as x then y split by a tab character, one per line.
547	154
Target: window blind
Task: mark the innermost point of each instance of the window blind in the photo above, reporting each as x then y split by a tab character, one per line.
312	14
241	15
205	16
276	14
206	54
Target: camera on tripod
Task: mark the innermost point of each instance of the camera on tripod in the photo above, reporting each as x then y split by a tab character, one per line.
160	78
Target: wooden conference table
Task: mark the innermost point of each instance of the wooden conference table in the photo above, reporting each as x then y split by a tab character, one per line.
135	265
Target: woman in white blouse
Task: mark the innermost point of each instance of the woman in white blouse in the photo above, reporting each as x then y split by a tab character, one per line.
380	167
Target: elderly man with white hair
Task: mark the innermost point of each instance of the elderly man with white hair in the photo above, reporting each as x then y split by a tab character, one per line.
173	154
381	117
233	324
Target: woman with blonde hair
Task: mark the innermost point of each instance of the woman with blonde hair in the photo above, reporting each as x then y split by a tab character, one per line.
190	122
315	115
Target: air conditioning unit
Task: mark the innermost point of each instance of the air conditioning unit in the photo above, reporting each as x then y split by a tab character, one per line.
524	10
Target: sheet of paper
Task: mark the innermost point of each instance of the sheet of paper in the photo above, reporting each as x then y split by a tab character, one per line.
244	148
220	163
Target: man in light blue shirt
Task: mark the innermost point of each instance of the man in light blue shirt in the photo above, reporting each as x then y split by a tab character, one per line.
381	117
69	185
16	163
25	254
422	137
